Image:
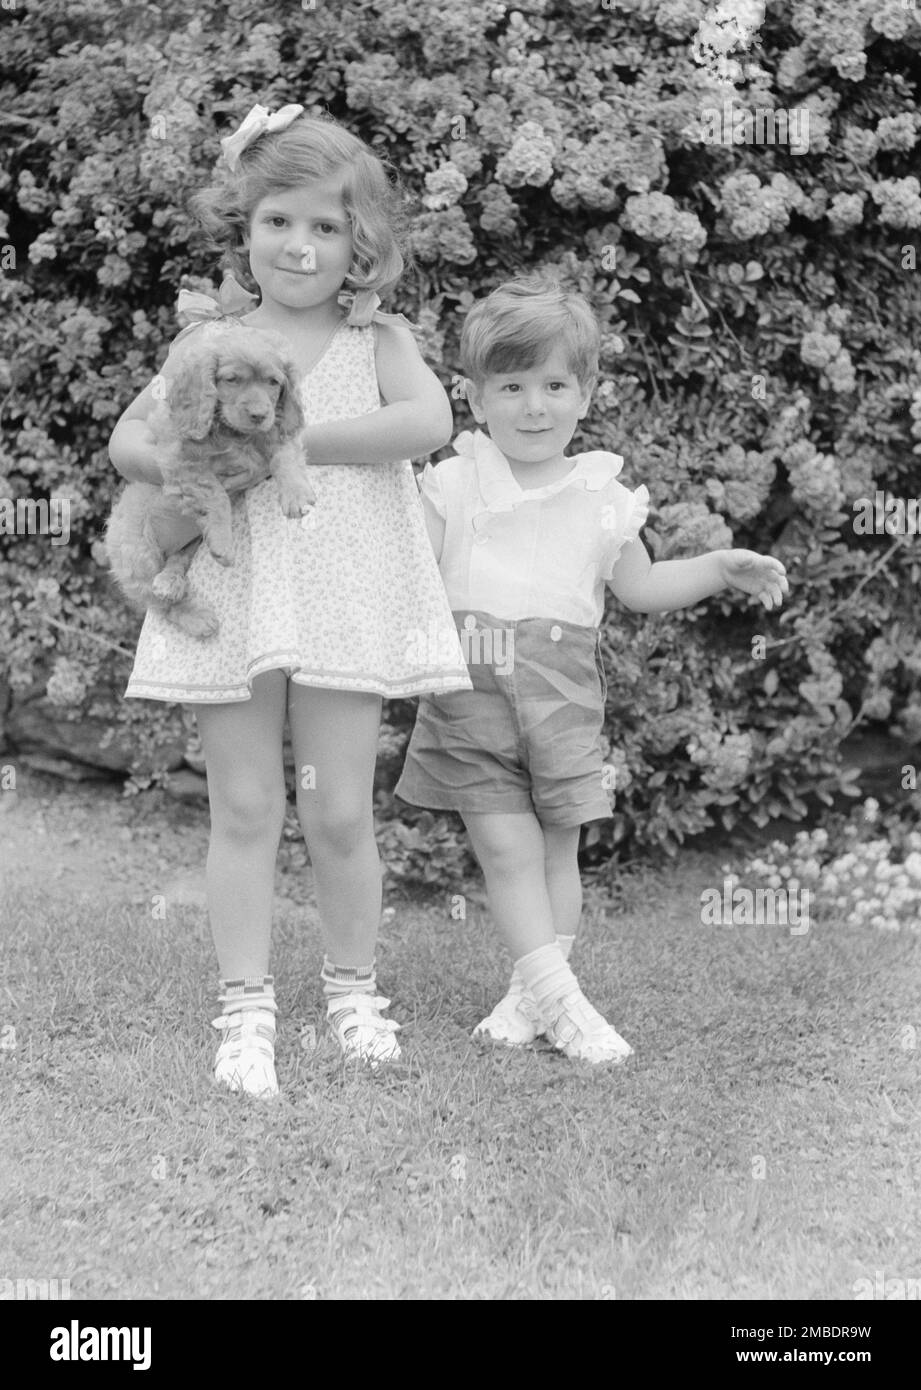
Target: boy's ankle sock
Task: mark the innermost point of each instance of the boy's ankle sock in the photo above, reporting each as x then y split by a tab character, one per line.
546	975
517	984
248	992
347	979
572	1024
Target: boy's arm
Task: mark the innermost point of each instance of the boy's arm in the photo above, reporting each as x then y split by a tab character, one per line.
416	418
658	588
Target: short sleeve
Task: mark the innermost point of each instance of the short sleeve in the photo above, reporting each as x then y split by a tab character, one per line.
433	491
630	512
636	517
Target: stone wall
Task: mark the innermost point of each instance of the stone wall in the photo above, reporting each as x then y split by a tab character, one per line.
78	746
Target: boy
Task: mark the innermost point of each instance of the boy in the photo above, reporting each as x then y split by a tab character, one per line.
526	538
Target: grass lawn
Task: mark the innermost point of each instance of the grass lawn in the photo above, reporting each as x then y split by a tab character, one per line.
762	1143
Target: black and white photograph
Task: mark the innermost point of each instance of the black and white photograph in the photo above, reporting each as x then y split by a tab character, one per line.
460	668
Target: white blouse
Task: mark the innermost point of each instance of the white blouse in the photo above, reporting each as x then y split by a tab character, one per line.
518	552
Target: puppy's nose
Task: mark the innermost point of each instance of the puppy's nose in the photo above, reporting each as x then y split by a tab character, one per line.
258	416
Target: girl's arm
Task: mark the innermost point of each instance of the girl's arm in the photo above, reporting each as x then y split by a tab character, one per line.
416	418
435	525
658	588
131	444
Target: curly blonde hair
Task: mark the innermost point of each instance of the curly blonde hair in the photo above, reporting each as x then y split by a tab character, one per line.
312	147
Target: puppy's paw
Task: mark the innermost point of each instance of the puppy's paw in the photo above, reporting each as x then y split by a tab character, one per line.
296	498
169	586
220	544
195	620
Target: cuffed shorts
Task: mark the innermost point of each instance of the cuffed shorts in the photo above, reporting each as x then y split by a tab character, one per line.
527	737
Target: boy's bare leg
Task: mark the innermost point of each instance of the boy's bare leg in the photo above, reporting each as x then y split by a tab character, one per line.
564	882
512	850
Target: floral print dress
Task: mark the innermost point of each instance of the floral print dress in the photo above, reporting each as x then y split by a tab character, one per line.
347	598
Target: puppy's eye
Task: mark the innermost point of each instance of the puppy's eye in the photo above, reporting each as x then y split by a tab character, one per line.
229	376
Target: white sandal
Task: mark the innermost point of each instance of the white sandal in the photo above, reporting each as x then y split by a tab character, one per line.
514	1021
246	1058
357	1026
579	1031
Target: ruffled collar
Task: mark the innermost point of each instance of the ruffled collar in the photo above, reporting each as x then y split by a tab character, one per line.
499	488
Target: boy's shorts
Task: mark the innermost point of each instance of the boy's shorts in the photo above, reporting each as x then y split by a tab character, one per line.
527	737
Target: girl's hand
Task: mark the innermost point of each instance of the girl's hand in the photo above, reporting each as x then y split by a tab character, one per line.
414	418
760	575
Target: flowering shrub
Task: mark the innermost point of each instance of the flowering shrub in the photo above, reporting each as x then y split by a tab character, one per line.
851	879
758	307
656	217
443	187
427	854
899	201
529	159
846	211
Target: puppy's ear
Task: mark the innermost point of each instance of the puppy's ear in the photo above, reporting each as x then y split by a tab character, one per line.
290	413
193	395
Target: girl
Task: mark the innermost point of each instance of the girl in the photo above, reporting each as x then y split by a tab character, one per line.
316	614
527	538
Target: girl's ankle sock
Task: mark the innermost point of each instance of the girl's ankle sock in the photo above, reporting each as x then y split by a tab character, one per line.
246	1057
347	979
546	975
249	992
517	984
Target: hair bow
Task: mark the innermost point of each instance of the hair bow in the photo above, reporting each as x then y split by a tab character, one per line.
231	299
362	306
257	122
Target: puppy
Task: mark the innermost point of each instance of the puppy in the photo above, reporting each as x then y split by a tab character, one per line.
232	407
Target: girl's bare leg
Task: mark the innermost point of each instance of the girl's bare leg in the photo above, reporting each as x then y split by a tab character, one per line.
242	744
334	736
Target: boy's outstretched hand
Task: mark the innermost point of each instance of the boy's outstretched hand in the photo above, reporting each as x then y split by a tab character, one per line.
756	574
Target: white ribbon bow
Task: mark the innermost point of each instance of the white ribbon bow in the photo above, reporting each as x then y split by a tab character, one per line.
231	301
257	122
